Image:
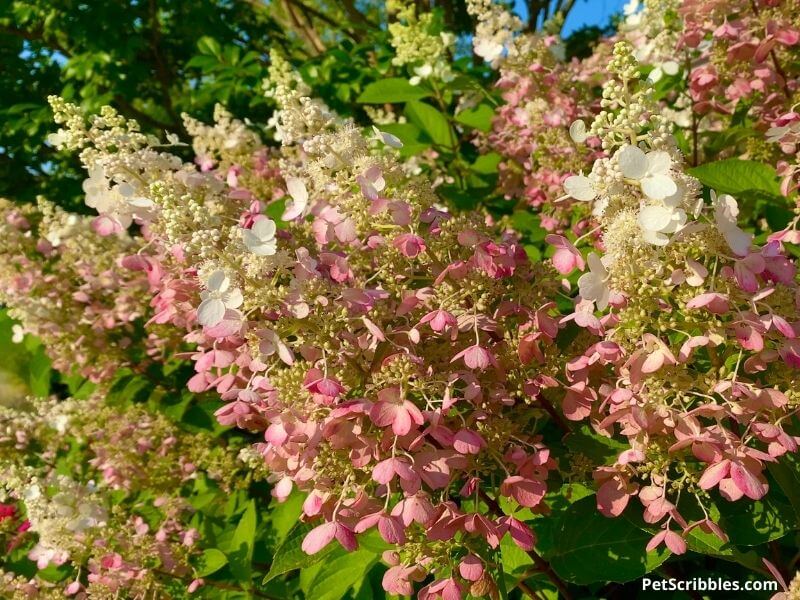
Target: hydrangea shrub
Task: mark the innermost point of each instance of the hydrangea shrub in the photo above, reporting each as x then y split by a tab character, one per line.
448	350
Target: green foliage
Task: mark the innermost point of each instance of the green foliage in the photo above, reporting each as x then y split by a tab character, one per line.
738	177
592	548
392	90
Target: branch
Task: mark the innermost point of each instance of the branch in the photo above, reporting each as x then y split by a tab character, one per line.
35	35
304	28
541	564
162	72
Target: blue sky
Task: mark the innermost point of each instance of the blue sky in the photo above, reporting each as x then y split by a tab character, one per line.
586	12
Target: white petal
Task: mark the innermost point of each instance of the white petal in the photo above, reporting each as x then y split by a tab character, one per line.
233	298
264	229
264	248
596	265
655	218
580	188
670	67
654	237
210	312
658	186
488	49
658	162
738	240
388	138
632	162
297	189
218	281
655	75
593	287
577	131
677	221
293	210
676	199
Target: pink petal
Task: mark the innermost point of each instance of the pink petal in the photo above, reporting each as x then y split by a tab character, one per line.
318	538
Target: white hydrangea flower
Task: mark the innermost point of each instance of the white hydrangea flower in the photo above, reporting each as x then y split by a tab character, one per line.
120	201
593	285
260	238
488	49
297	190
58	139
650	171
668	67
725	212
659	221
421	73
580	188
218	297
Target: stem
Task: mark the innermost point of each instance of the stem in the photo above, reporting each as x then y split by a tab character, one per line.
557	418
541	564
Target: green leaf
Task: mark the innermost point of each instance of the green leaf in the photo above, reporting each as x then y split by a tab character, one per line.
486	164
284	515
591	548
290	556
209	46
414	141
529	224
241	546
340	574
391	90
39	372
210	562
710	545
585	441
735	176
752	523
479	117
515	560
431	121
786	473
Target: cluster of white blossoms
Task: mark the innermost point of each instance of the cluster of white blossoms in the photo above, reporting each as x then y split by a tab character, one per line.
495	32
297	113
120	161
419	43
654	27
59	519
640	192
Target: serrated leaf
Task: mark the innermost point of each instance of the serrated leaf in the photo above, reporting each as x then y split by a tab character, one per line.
340	574
391	90
211	561
290	556
591	548
736	176
752	523
431	121
710	545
